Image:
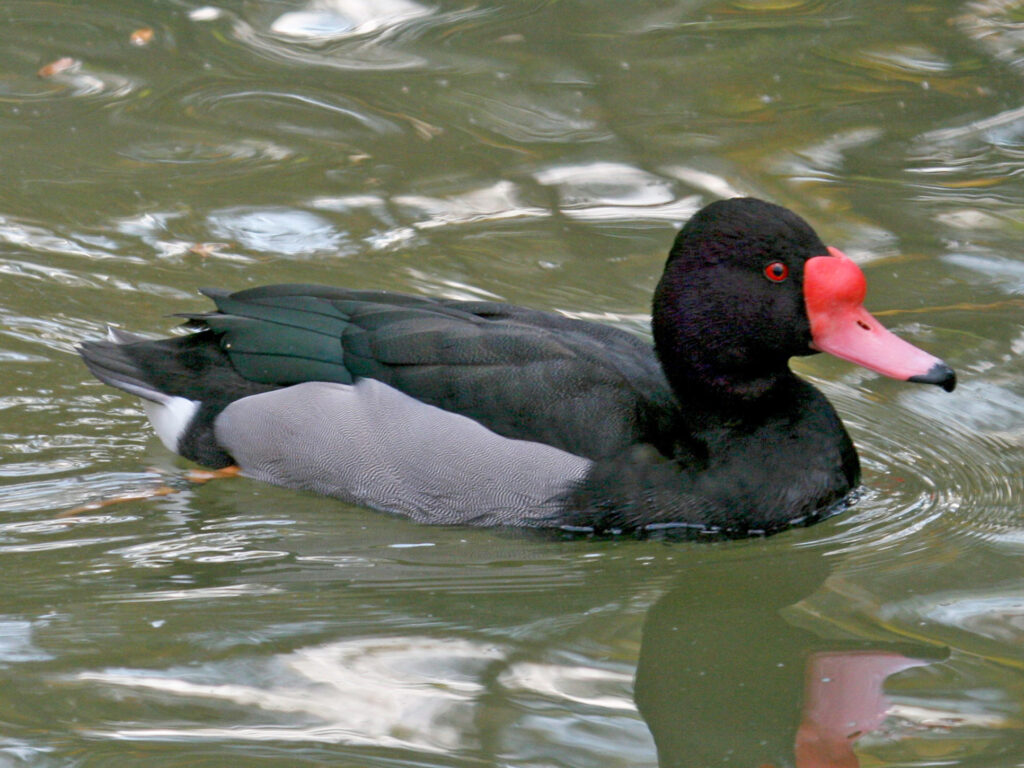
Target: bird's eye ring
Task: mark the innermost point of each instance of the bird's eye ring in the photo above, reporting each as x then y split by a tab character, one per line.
777	271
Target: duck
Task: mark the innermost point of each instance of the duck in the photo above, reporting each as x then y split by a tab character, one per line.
481	413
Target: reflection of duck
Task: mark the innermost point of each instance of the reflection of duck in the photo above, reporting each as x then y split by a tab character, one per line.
725	679
486	413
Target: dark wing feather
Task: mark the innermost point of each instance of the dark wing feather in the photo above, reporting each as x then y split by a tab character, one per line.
585	388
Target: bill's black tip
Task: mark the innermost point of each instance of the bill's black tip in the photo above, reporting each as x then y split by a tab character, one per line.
940	374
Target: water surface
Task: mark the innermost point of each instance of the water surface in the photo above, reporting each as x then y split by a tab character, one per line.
536	152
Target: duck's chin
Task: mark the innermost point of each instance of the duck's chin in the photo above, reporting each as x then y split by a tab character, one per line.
733	393
750	390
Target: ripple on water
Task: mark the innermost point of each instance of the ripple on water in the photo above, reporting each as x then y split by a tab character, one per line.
65	493
606	191
74	43
935	463
993	614
204	547
412	692
503	200
415	692
22	236
301	112
344	18
905	58
78	81
199	152
347	34
971	167
999	272
995	26
556	113
17	644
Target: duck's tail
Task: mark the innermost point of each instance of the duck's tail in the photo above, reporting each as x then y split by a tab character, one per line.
113	363
184	382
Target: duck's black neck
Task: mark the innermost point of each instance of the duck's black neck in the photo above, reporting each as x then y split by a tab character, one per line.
726	392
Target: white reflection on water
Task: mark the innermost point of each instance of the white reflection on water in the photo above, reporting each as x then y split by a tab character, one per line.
326	20
200	593
1000	272
181	151
588	685
988	128
61	493
826	157
414	692
406	691
605	191
997	616
344	34
205	547
994	25
914	58
499	201
33	237
16	644
449	289
714	184
277	231
75	81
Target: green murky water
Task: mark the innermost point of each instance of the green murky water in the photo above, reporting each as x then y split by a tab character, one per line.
542	153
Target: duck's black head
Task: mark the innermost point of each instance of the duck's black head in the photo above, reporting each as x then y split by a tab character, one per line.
748	285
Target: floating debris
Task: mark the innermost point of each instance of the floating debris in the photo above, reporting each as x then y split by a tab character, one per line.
64	64
206	250
141	36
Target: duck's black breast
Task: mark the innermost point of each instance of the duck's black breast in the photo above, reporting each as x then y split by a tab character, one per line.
729	473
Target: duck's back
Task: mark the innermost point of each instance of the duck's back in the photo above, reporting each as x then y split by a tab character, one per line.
584	388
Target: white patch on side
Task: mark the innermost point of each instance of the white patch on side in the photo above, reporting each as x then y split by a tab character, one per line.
171	418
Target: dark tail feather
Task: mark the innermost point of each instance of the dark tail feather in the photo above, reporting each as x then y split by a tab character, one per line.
191	366
112	363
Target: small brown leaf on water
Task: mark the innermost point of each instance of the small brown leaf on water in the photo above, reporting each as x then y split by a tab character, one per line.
60	65
92	506
205	250
142	36
423	129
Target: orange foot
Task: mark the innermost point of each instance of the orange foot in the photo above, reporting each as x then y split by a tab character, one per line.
206	475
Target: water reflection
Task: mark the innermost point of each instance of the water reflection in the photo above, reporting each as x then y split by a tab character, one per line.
610	191
334	19
16	642
277	231
331	33
503	200
412	692
716	636
821	696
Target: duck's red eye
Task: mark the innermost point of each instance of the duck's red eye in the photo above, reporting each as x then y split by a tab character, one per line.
777	271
